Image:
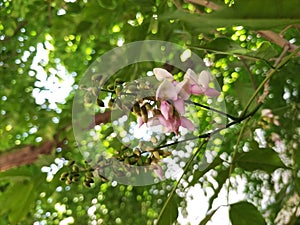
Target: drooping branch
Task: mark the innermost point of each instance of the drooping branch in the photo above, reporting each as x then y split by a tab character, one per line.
29	154
25	156
278	40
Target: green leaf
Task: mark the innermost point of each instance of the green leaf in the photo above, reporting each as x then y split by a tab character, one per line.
208	217
17	200
74	8
107	4
199	173
254	14
265	51
245	213
225	45
83	26
170	212
260	159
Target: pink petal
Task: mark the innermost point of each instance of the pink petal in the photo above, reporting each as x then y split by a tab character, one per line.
140	121
162	74
186	123
179	106
164	122
158	171
195	89
183	89
153	121
165	109
210	92
166	90
266	112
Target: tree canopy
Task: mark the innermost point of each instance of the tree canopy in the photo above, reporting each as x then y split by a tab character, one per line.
221	78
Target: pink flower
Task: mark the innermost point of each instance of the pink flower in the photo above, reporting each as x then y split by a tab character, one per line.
172	124
196	84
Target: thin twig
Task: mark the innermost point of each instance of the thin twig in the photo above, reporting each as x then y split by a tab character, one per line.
209	134
270	73
249	72
214	110
178	182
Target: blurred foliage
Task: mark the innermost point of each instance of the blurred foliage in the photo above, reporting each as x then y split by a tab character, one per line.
46	47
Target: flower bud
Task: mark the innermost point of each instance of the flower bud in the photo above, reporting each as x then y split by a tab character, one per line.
100	103
86	184
119	81
137	152
111	102
118	91
136	109
97	77
144	113
111	87
153	140
64	176
156	154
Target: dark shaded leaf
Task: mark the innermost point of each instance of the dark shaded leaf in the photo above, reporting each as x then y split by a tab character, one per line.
208	217
225	45
260	159
169	214
244	213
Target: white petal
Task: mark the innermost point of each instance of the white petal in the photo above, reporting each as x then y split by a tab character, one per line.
166	90
204	78
191	76
162	74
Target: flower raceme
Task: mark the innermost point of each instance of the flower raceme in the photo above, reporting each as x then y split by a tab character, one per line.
170	97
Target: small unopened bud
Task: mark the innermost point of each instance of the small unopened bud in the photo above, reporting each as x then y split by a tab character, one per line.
148	106
137	152
136	109
166	153
68	182
75	168
119	81
156	154
111	103
88	99
144	113
94	91
111	87
86	184
97	77
118	91
100	102
64	176
132	88
154	140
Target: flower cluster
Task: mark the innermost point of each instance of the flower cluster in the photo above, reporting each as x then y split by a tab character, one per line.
170	97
